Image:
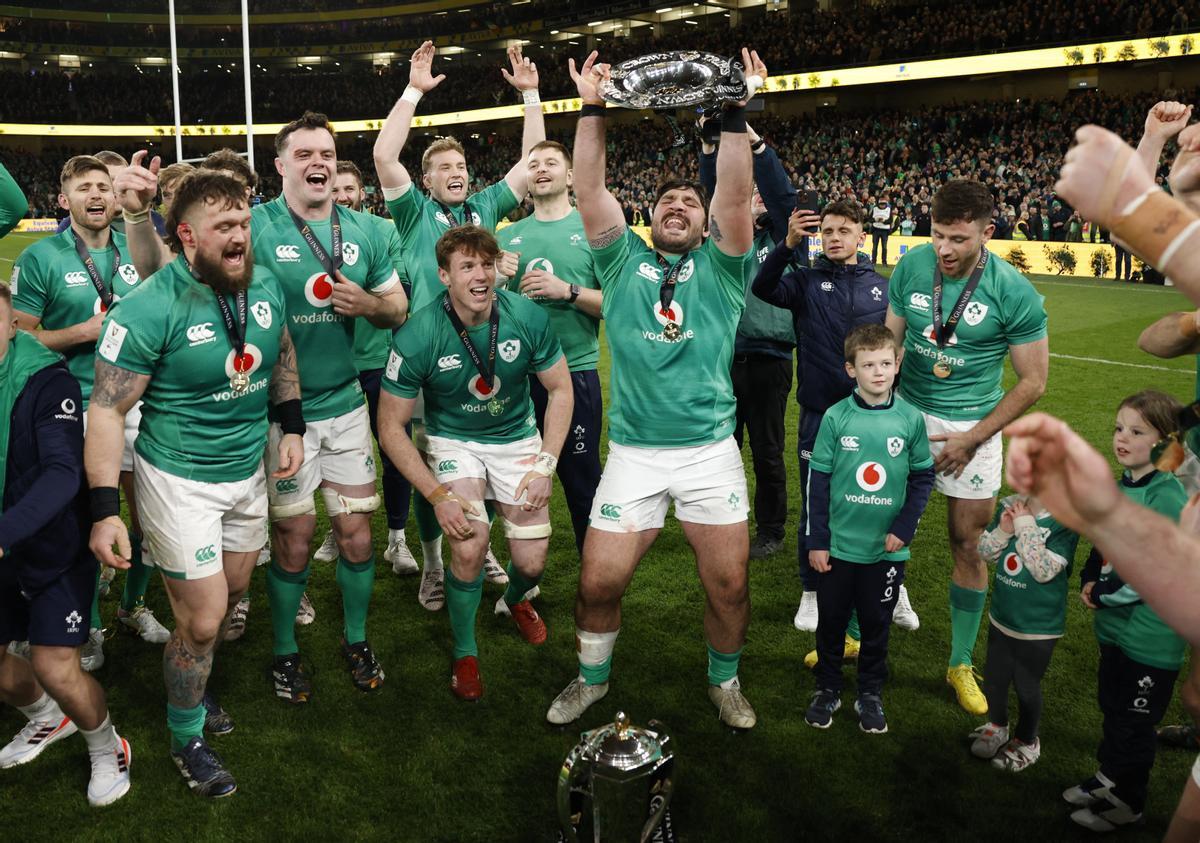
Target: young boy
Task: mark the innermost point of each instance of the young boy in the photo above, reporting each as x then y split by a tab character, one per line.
869	480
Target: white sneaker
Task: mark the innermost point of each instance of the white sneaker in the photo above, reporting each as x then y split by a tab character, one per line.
493	571
1017	755
904	616
432	594
502	607
142	621
91	657
107	575
305	614
33	739
237	620
574	701
732	706
988	739
328	551
403	563
806	615
110	775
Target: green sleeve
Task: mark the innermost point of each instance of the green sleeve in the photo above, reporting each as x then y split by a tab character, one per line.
133	336
919	457
730	271
13	204
382	274
27	284
1025	312
401	376
406	212
822	453
494	203
610	260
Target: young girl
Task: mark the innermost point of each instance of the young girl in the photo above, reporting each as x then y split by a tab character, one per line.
1028	616
1140	656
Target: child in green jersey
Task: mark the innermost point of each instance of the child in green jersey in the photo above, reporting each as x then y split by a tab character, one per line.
1140	655
1032	553
869	480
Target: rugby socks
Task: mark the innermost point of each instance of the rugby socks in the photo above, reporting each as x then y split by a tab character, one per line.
518	585
44	710
356	582
462	603
95	622
722	667
966	611
595	654
103	738
852	628
187	723
137	577
284	591
430	533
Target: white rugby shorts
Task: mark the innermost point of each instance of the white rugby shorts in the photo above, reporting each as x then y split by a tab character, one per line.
501	466
337	450
188	523
980	480
707	484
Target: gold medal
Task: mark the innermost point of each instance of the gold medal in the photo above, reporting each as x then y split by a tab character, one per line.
240	383
495	406
942	369
671	331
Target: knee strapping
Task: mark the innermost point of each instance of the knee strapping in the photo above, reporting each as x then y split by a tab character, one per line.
480	512
278	512
339	504
527	531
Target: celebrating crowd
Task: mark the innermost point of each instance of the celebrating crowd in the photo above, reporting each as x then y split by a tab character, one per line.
217	366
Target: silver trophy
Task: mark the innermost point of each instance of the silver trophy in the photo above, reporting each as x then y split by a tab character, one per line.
667	81
615	786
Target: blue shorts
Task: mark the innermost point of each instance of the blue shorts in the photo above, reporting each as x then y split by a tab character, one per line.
57	615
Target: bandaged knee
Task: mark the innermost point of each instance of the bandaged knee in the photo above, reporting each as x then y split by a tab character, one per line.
339	504
525	531
279	512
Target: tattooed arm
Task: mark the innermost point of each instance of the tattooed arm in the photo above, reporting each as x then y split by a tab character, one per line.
603	219
114	394
285	377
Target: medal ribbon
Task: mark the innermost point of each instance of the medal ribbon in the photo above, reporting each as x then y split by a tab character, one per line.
104	292
468	217
486	371
943	332
330	265
235	328
666	291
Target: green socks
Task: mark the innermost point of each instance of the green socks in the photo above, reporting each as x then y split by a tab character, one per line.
966	611
595	651
722	667
356	582
185	724
462	602
95	622
428	527
137	577
284	591
852	628
518	585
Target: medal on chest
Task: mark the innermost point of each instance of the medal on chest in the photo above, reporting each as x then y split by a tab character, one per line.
943	331
666	295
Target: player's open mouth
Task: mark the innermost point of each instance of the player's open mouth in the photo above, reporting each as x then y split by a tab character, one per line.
674	223
344	201
456	186
234	259
1122	453
481	292
317	179
97	210
542	180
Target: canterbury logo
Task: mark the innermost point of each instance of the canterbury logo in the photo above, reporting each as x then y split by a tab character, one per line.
449	362
287	252
446	466
286	486
200	334
206	554
849	443
74	279
610	511
919	301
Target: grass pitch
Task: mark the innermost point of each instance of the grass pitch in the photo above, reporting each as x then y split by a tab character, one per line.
411	763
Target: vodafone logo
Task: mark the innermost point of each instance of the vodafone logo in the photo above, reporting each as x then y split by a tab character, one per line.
477	387
929	337
249	362
674	313
318	289
1012	565
540	263
871	476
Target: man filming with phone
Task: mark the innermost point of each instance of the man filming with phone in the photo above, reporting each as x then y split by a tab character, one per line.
839	292
762	353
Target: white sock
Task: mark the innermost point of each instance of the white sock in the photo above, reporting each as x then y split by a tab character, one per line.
101	739
595	648
730	683
395	536
44	709
431	555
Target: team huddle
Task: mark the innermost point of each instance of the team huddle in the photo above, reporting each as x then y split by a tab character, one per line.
221	364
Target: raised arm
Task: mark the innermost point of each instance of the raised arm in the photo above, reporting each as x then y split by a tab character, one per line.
776	189
729	224
1163	122
137	187
13	204
603	220
394	134
524	77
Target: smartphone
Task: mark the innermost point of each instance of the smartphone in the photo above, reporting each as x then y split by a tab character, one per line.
809	201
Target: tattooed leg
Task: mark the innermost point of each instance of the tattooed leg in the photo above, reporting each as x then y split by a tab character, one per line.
186	673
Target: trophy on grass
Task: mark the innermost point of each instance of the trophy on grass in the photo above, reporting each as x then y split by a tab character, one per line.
615	786
675	80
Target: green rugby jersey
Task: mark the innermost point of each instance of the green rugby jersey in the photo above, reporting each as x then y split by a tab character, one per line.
868	455
670	393
324	340
561	248
1164	494
428	356
1004	310
421	222
1021	604
370	343
49	281
171	329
